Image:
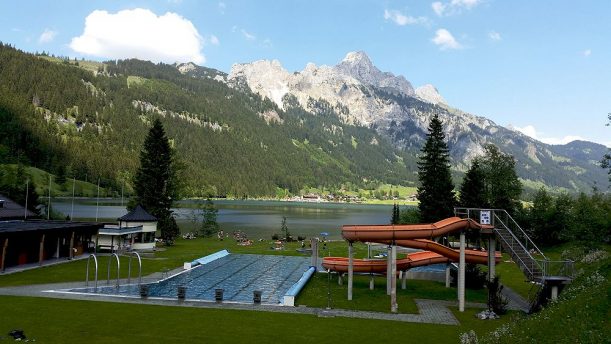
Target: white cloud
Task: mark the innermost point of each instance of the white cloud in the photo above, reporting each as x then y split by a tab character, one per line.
222	6
495	36
249	36
530	130
444	39
401	19
453	6
468	4
267	43
214	40
438	8
140	33
587	52
47	36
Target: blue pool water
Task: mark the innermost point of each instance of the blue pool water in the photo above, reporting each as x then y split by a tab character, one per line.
430	268
237	274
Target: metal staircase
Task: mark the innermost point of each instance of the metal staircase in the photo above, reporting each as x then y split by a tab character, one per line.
523	251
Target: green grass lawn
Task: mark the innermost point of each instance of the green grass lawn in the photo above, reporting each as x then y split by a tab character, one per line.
69	321
511	276
315	294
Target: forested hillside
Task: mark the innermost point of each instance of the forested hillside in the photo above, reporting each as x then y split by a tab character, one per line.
63	114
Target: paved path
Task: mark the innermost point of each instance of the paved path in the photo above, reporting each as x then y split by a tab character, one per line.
516	301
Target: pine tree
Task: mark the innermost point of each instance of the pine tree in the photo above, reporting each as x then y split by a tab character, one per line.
209	224
436	190
155	181
503	188
285	230
473	188
396	214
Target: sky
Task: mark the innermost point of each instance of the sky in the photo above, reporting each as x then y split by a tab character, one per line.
542	67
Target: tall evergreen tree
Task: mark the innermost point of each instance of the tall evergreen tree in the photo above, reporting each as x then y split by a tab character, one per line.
209	224
155	181
436	190
503	188
396	214
473	187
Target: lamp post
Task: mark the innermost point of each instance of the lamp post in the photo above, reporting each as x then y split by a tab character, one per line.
325	246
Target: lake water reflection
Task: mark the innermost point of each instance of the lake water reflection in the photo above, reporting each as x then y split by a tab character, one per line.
259	219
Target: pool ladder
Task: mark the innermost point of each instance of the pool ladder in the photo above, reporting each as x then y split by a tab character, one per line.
115	257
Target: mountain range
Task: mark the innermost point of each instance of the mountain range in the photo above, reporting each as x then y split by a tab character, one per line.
390	105
258	130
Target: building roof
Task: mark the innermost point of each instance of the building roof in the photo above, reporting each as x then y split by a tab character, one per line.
115	230
138	214
18	226
9	209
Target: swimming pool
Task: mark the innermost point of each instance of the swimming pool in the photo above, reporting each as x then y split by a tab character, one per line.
430	268
239	275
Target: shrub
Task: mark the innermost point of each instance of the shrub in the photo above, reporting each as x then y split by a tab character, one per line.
496	301
474	277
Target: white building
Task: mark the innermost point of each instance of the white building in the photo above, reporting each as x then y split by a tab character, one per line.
135	231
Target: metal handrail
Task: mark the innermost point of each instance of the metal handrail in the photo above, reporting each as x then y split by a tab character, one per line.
514	237
129	268
118	268
526	237
509	217
515	255
96	271
562	271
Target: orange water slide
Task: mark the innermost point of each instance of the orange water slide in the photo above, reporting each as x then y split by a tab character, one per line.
380	233
471	256
340	264
413	236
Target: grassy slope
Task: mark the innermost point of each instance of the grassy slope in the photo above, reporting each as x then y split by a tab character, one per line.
40	178
580	316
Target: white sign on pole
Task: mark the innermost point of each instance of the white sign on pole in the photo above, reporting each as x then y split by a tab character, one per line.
484	217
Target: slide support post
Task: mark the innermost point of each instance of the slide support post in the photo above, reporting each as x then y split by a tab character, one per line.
350	270
491	257
461	274
393	285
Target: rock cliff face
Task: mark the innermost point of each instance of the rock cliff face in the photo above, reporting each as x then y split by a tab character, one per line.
373	98
391	106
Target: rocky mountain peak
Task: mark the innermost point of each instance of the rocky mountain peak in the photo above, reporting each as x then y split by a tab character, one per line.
184	68
359	66
357	58
430	94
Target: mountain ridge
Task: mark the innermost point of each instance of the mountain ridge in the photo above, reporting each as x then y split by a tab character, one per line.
235	140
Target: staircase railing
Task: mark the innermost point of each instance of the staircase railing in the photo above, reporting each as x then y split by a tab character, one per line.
517	231
521	247
518	251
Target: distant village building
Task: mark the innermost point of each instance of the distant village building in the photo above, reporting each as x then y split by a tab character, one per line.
135	231
311	197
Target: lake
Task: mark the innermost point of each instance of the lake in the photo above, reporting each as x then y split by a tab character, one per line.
258	219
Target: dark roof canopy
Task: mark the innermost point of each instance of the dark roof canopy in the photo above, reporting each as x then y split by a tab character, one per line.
45	225
9	209
138	214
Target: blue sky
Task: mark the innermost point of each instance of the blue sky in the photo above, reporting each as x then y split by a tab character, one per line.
543	66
